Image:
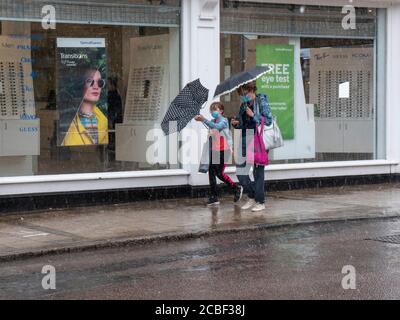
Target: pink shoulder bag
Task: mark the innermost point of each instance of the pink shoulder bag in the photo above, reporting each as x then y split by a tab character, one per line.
256	152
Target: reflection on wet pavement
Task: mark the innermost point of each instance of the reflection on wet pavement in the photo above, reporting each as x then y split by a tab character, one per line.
41	231
302	262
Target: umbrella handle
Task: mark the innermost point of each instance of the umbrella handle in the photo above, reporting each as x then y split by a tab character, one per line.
202	107
204	104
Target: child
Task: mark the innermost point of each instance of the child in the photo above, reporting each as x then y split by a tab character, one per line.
221	145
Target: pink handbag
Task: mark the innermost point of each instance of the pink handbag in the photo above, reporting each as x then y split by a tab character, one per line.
256	152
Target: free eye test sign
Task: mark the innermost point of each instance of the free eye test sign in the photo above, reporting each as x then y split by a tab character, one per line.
278	83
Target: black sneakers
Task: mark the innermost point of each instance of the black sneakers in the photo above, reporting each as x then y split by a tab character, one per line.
238	194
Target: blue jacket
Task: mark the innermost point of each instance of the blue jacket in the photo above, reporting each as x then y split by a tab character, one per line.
260	108
222	125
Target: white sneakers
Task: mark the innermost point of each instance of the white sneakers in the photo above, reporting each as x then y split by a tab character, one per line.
251	203
258	207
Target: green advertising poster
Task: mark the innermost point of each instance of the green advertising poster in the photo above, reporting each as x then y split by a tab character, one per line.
278	84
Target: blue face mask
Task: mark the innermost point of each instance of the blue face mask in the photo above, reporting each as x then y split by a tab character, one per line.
245	99
215	114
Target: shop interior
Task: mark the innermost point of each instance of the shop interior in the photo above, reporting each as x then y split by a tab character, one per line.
342	128
138	84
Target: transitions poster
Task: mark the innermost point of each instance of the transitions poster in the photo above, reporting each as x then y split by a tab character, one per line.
278	83
81	91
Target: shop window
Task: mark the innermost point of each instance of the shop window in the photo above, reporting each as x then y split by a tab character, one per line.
325	103
89	95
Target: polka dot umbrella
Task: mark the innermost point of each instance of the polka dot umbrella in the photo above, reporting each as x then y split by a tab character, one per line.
184	107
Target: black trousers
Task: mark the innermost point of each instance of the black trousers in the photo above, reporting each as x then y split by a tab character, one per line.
218	171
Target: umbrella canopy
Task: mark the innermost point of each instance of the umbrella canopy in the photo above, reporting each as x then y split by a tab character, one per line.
239	79
184	107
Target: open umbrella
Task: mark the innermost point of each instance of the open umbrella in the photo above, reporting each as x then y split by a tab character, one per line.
239	79
184	107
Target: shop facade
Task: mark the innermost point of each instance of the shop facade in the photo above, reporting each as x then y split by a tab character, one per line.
81	103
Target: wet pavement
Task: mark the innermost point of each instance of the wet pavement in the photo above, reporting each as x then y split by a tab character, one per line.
301	262
30	234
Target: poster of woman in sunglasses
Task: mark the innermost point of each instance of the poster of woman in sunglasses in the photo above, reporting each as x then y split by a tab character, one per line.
81	92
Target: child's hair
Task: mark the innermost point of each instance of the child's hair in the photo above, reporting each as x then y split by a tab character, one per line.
218	105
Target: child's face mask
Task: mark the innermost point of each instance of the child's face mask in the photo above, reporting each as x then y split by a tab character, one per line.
245	99
215	114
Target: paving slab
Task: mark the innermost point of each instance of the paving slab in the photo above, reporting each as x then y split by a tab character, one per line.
27	234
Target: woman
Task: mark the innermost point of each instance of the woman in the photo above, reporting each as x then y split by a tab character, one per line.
254	106
89	126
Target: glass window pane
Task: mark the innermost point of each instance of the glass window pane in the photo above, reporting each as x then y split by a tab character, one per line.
295	20
85	98
125	12
322	85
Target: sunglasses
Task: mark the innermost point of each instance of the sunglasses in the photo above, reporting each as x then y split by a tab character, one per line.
100	83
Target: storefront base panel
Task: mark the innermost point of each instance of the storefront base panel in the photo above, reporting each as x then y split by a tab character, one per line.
31	203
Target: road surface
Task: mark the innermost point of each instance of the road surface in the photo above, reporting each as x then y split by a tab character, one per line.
303	262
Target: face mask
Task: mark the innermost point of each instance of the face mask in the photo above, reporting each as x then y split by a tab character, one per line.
245	99
215	114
